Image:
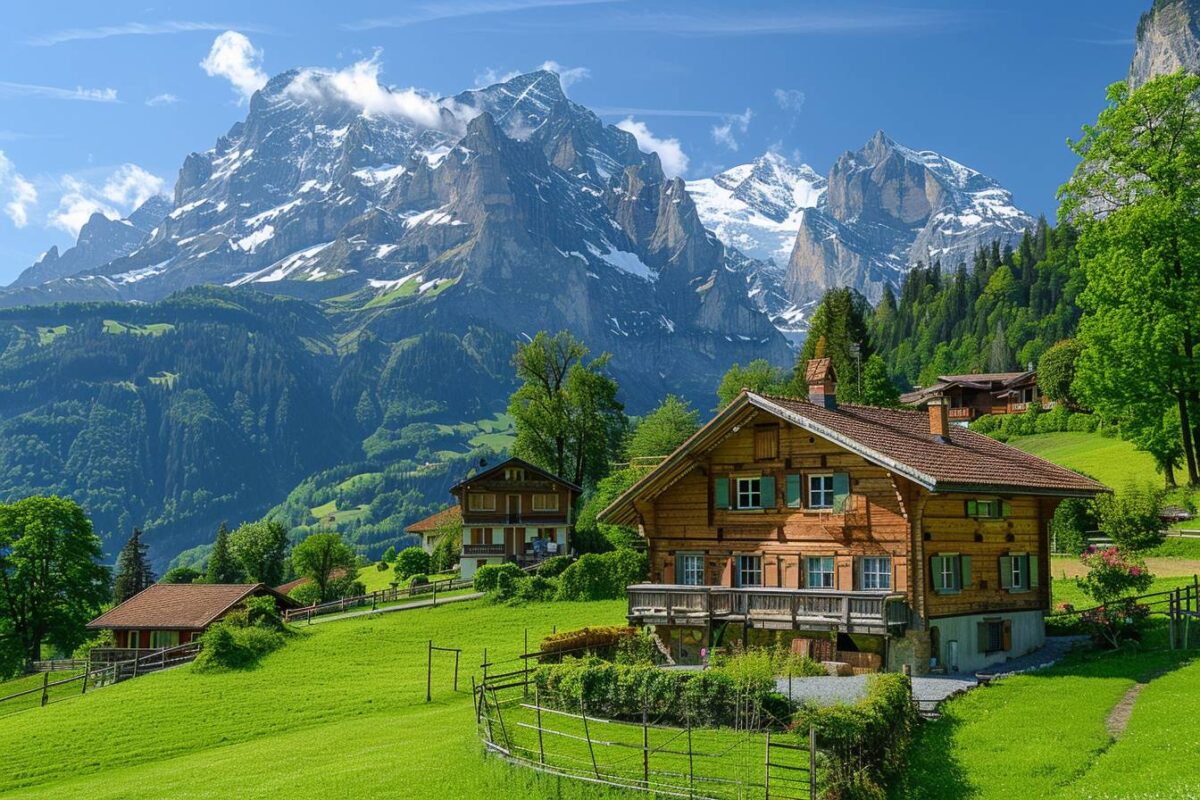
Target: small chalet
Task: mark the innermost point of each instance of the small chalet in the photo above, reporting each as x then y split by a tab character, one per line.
429	528
170	614
972	396
881	538
516	512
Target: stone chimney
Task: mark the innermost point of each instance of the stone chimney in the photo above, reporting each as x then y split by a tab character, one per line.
822	383
939	419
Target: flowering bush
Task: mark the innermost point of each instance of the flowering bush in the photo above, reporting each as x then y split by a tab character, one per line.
1112	578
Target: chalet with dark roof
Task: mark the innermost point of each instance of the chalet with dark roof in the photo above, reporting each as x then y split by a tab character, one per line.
514	511
882	538
971	396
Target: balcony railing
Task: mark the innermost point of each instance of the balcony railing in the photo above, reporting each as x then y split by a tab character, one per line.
965	412
483	550
765	607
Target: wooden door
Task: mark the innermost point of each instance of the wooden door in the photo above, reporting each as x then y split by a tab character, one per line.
513	507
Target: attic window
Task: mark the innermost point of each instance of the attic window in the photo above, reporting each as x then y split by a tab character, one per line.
514	474
988	509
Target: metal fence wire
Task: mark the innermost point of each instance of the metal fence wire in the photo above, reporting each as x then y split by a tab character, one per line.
524	725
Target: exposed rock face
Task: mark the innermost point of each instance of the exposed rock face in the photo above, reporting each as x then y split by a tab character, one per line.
1168	39
100	241
888	208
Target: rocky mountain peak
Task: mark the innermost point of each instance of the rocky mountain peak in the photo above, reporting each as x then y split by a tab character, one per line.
1168	39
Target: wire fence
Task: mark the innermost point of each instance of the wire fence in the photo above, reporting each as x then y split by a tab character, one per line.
753	759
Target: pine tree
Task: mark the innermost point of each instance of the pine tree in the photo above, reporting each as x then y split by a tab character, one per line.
133	569
221	566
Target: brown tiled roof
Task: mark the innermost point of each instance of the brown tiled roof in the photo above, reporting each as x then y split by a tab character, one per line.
178	606
900	440
817	370
450	514
982	377
519	462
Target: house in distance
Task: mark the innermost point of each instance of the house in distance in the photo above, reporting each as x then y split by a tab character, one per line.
882	538
436	525
170	614
514	511
972	396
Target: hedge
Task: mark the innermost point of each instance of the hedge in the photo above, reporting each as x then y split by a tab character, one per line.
866	743
602	639
602	576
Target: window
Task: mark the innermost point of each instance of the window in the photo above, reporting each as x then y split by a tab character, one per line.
820	491
478	501
994	635
950	573
1018	572
877	573
160	639
545	502
989	509
514	474
766	442
133	639
749	492
820	572
689	569
750	571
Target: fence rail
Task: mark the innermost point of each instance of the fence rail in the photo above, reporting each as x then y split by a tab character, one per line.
376	598
518	723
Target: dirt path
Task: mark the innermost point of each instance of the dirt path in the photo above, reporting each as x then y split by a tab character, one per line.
1118	718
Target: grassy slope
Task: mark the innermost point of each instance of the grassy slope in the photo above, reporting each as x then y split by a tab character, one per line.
1110	461
339	712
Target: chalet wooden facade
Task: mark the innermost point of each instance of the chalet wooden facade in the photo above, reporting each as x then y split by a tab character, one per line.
515	512
890	537
436	525
976	395
169	614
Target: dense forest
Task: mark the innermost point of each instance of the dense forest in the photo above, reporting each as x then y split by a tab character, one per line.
999	313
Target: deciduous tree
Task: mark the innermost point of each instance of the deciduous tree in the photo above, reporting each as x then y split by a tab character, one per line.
259	548
663	429
322	558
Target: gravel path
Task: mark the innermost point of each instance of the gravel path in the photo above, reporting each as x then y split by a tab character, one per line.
928	690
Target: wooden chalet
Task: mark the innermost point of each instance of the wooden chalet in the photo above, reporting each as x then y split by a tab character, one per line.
170	614
880	537
429	528
515	512
976	395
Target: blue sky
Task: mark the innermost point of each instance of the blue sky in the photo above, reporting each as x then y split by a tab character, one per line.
100	102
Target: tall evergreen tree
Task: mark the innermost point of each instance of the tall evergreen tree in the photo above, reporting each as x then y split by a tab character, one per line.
222	567
133	569
839	328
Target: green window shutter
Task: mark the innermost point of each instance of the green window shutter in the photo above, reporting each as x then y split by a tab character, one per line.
964	572
793	491
1033	571
721	485
1005	509
767	487
841	490
935	574
1006	572
972	508
981	636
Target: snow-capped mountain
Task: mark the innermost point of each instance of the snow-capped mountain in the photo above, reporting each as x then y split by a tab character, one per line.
100	241
882	210
512	209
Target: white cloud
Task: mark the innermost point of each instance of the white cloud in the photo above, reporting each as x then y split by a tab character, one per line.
132	29
670	152
10	89
454	9
723	133
790	100
21	193
568	76
358	86
123	190
236	59
164	99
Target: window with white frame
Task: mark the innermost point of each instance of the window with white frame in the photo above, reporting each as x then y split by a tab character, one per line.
877	572
820	572
481	501
820	491
749	493
750	571
1018	573
545	502
690	569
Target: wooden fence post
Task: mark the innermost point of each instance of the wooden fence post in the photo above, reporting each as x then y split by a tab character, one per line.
429	673
587	735
767	768
691	765
537	704
45	688
457	653
645	749
812	762
86	670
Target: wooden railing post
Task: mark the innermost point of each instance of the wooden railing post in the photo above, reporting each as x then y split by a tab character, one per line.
45	688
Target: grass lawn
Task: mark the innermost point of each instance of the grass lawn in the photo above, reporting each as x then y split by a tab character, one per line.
338	712
31	701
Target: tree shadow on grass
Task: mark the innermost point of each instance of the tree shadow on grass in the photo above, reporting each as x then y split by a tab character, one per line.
933	772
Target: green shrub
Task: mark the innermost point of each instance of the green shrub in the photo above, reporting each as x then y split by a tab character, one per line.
306	593
264	613
602	576
411	561
985	424
867	743
382	566
534	589
487	577
595	640
1072	521
640	648
553	567
230	646
1130	517
388	556
1083	423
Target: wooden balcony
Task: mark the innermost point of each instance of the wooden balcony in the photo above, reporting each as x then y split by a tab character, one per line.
766	607
483	550
962	413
